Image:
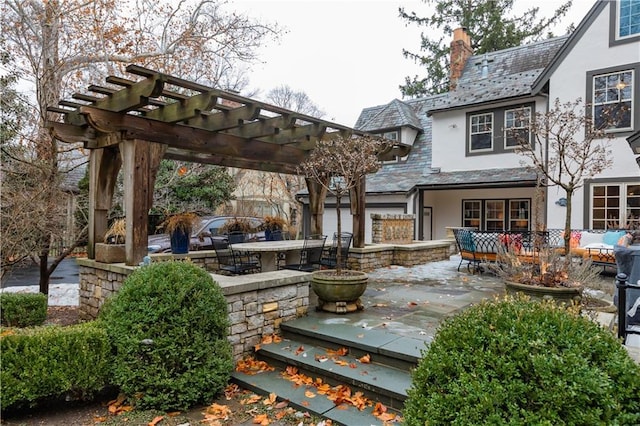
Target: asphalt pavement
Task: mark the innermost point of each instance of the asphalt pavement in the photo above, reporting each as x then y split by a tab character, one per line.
66	273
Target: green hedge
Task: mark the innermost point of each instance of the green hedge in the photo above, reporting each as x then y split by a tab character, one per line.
523	363
53	361
23	309
168	325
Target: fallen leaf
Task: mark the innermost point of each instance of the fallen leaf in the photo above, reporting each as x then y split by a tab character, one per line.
412	304
309	394
365	359
380	305
261	419
282	404
299	350
156	420
305	403
217	412
256	348
270	400
251	400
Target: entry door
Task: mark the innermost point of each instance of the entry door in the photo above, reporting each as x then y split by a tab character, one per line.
426	224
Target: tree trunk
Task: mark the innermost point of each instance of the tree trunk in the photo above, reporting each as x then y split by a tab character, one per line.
339	241
567	223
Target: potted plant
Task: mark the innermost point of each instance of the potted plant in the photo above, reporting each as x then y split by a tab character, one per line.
113	248
339	165
179	227
273	223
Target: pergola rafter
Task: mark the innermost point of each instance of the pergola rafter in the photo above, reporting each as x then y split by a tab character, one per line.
154	115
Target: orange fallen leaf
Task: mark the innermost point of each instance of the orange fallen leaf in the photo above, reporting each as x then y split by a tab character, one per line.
412	304
261	419
251	400
257	347
353	365
340	362
299	350
365	359
339	352
309	394
270	400
156	420
217	412
305	403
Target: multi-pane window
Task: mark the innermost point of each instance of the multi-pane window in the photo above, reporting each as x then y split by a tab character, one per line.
516	127
490	215
472	213
494	215
613	100
481	132
628	18
519	215
615	206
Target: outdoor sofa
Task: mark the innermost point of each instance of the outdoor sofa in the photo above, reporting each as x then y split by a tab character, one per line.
478	247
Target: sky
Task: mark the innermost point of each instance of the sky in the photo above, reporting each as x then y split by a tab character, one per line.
347	55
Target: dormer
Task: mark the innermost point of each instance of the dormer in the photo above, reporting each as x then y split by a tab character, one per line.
396	121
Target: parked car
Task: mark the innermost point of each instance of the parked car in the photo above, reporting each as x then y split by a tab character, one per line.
208	226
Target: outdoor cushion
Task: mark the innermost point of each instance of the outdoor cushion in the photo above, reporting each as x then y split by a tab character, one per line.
466	241
589	238
612	237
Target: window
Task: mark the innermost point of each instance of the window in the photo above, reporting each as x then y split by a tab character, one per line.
490	215
519	215
494	215
516	126
613	100
628	18
615	206
481	136
491	131
472	213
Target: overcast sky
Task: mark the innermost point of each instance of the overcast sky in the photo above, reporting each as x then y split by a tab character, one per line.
347	55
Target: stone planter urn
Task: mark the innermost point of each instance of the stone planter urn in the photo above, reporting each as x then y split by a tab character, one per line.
110	253
339	293
565	295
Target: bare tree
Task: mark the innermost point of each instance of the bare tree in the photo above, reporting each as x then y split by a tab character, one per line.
339	165
567	149
60	45
285	97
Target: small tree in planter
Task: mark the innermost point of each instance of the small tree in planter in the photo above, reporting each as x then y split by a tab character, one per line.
339	165
570	146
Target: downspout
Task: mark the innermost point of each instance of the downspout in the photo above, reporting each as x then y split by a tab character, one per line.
546	165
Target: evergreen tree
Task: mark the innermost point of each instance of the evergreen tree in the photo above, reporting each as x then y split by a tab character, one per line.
491	27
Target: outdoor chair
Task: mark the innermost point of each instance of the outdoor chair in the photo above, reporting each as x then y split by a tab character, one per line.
234	262
310	255
330	254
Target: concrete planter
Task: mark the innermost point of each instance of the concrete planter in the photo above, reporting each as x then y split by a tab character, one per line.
339	293
560	294
110	253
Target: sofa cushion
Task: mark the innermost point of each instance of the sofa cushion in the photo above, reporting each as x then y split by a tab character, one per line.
485	242
466	240
612	237
589	238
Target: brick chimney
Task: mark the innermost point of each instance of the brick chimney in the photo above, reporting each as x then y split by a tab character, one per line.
460	52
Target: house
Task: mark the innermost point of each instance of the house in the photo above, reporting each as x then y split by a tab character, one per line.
462	168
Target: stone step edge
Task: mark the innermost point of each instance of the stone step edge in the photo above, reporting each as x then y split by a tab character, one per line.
268	382
370	377
318	335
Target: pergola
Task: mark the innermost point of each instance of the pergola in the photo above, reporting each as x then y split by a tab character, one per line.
133	123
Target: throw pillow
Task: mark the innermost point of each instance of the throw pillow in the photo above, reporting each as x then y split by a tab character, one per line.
612	237
589	238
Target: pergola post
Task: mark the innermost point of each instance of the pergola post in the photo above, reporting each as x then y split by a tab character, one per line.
140	160
104	165
358	204
317	195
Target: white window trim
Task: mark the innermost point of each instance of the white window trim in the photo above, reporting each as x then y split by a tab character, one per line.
632	100
506	129
623	188
490	132
617	29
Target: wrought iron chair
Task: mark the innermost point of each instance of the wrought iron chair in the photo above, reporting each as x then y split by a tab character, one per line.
330	254
310	255
232	261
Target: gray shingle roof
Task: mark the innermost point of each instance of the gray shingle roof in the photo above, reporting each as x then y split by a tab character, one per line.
394	114
511	73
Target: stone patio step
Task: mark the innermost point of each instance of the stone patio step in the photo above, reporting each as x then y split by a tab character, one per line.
386	348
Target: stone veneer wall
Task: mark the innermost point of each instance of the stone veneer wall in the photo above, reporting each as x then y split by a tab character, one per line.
392	228
257	303
376	256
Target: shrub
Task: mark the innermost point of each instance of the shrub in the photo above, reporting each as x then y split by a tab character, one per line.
53	361
516	361
23	309
168	325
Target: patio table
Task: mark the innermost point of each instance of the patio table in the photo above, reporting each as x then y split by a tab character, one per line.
269	251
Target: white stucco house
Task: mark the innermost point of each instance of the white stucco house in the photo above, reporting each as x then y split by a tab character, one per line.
462	169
